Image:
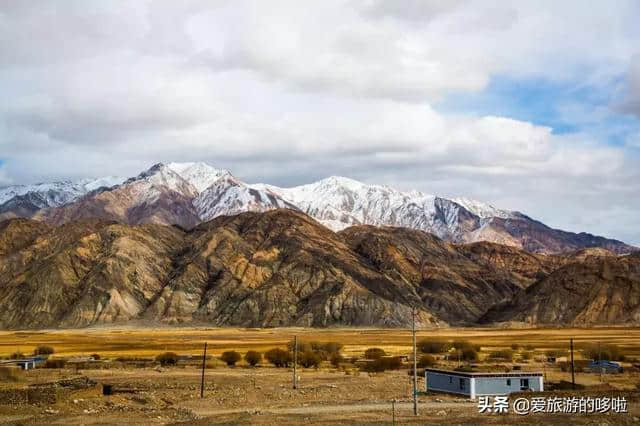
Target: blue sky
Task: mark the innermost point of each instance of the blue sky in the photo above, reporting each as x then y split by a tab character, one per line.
552	104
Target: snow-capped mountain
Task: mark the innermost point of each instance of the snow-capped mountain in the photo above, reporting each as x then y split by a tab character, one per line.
200	175
339	202
228	196
186	194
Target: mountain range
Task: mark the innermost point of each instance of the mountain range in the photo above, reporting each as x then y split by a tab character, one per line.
188	194
281	268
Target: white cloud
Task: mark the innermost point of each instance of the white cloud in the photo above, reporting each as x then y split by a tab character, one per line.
288	92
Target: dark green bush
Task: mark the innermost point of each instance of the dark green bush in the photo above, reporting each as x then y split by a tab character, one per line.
337	359
167	358
426	361
606	352
433	346
382	364
278	357
253	358
374	353
309	359
43	350
230	358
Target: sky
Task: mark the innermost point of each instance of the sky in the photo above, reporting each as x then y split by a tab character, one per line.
530	106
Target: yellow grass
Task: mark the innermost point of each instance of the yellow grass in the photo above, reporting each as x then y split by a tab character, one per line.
148	342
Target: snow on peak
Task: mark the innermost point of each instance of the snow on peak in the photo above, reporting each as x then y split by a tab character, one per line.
199	174
482	210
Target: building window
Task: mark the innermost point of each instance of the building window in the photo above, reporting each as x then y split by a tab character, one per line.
461	384
508	382
524	384
450	379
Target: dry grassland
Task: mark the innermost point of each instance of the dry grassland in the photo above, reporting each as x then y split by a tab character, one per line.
148	342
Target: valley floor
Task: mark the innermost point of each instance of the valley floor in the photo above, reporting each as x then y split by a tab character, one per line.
144	393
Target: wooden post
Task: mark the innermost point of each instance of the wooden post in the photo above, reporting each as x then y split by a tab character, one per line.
415	363
393	411
204	364
295	362
573	374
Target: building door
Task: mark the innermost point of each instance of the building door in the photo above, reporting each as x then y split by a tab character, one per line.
524	384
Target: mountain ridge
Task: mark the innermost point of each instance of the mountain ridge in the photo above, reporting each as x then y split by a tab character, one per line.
190	193
281	267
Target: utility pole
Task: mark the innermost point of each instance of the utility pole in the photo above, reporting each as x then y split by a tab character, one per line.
393	412
573	374
415	363
295	362
600	358
204	364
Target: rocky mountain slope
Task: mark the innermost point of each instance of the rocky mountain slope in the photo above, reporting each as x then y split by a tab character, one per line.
187	194
274	268
592	288
281	268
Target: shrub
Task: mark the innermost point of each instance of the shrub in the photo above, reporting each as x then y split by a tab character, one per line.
465	344
337	359
426	361
374	353
43	350
466	354
526	355
230	357
167	358
505	354
253	358
309	359
95	356
433	346
382	364
515	346
529	347
278	357
324	349
16	355
55	363
603	352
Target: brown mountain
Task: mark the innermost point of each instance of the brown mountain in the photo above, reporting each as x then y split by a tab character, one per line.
275	268
595	288
528	234
156	196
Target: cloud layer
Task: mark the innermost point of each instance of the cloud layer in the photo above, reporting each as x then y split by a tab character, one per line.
287	92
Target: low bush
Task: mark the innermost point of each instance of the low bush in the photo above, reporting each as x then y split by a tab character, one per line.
374	353
16	355
167	358
603	352
433	346
337	359
230	358
43	350
309	359
253	358
95	356
278	357
382	364
426	361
